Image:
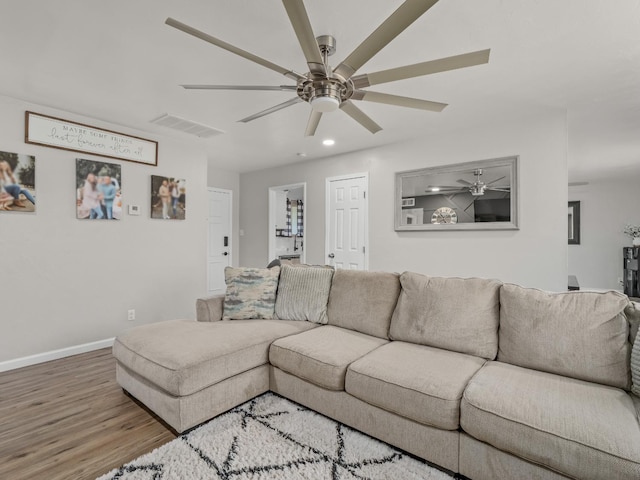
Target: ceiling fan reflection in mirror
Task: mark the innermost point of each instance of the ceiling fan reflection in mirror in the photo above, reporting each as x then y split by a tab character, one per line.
477	188
328	89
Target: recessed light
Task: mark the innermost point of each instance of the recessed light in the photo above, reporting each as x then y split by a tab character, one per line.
328	142
435	189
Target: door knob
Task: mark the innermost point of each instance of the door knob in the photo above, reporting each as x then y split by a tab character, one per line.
225	253
331	255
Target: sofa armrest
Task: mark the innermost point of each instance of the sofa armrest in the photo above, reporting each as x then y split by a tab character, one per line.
209	309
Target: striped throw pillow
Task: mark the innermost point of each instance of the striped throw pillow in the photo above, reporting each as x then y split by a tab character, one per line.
303	293
633	315
635	367
251	293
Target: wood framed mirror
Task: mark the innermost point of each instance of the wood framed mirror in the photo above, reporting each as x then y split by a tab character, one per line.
480	195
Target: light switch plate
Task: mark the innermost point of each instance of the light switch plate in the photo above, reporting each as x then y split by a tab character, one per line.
134	210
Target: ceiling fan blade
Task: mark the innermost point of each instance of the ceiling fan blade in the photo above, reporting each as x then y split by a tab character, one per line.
499	189
312	124
395	24
446	192
464	182
419	69
496	180
230	48
283	88
397	100
302	26
280	106
359	116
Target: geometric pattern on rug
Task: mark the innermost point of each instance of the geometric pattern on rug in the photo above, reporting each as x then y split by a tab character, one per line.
271	437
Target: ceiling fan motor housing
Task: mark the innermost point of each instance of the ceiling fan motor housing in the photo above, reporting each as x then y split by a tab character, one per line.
324	94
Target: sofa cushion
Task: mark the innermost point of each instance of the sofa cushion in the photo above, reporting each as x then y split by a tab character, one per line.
303	293
363	301
580	334
580	429
322	355
418	382
251	293
183	356
459	314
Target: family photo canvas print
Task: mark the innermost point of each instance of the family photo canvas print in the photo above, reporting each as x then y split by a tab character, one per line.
168	198
17	182
98	190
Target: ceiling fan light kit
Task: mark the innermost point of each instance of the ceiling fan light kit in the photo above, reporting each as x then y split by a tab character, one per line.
327	89
325	104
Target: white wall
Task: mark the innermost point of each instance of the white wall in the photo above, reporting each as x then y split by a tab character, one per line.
535	255
606	206
66	282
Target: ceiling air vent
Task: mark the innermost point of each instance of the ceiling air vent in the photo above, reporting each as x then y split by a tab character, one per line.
186	126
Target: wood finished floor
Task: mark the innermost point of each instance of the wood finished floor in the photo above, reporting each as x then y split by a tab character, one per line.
69	420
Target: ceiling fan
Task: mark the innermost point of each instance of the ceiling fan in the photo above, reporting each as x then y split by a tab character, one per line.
328	89
476	188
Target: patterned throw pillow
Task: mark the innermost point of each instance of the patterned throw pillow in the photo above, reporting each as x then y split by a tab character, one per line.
251	293
303	293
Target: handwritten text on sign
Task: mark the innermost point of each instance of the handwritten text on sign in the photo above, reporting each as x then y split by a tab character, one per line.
58	133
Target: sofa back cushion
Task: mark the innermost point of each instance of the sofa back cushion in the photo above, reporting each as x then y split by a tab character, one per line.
363	301
251	293
458	314
581	334
303	293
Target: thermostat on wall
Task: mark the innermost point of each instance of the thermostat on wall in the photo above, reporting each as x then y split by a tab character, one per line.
134	210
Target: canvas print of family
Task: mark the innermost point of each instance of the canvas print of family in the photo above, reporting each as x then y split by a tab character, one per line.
168	198
17	182
98	190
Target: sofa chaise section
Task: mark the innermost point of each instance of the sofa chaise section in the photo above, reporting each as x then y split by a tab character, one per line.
178	367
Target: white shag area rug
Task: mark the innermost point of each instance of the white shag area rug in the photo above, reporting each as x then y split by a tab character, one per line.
270	437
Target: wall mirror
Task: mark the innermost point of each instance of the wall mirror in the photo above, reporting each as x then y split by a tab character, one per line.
481	195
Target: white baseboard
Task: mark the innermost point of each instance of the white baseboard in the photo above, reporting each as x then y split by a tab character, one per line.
54	354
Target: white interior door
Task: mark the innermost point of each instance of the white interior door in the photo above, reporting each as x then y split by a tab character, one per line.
347	222
219	242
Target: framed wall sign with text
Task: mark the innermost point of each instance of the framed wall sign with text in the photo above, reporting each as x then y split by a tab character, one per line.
77	137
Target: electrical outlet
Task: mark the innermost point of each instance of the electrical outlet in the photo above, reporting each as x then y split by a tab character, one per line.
131	315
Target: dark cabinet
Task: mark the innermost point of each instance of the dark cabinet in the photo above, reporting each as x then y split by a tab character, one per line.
630	259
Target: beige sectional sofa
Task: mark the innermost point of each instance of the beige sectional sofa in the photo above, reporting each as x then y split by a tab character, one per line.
488	380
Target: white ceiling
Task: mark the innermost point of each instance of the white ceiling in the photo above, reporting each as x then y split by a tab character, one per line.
117	61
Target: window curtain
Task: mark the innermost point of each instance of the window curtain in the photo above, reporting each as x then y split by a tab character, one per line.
288	229
300	219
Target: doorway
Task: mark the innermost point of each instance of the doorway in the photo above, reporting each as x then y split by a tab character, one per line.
288	223
347	222
219	239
